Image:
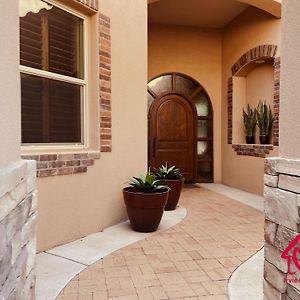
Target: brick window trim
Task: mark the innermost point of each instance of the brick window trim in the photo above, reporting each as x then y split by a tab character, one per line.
54	164
62	164
105	87
252	150
260	52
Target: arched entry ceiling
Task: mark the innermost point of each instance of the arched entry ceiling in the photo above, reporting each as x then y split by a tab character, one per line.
205	13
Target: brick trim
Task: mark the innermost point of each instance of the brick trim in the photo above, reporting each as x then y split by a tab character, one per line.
229	109
92	4
276	101
62	164
105	83
259	52
252	150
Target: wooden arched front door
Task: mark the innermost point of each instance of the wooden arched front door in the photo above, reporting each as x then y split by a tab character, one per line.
172	134
180	126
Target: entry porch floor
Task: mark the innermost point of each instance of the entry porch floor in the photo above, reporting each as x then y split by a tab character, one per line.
191	260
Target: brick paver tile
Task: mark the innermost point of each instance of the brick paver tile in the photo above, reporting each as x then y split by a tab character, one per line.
121	292
91	285
71	288
145	280
158	293
192	260
87	296
100	296
69	297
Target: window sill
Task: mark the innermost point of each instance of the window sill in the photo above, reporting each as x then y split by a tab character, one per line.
256	150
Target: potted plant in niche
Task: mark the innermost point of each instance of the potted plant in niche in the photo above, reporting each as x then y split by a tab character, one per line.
172	178
264	122
250	120
145	200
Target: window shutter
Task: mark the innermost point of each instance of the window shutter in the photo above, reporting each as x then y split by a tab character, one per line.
31	41
63	43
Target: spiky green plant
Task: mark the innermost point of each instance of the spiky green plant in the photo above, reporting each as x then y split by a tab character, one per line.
168	173
264	118
147	184
250	120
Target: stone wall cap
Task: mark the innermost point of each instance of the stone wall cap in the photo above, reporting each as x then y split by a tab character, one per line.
284	165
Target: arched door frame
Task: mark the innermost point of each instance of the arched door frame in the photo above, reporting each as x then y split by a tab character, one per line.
190	100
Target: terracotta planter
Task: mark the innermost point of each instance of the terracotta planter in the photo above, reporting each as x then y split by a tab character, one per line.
176	186
144	210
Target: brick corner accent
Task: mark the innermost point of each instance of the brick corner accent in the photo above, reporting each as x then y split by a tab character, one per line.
105	83
276	101
252	150
229	109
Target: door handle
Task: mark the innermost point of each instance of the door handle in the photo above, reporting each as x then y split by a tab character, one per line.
154	147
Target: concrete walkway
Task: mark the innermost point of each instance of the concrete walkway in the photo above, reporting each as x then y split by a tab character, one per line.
192	260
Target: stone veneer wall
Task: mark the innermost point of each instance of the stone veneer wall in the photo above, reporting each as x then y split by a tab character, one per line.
17	230
282	225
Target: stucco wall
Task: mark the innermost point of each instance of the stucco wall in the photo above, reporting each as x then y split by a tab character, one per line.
77	205
252	28
10	108
196	53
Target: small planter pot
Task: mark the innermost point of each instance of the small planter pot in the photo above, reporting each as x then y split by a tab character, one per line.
175	186
264	139
144	210
250	139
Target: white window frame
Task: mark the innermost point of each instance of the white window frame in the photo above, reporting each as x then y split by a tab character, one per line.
31	147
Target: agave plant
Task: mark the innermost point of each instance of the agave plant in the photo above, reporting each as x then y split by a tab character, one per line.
168	173
264	118
147	184
250	120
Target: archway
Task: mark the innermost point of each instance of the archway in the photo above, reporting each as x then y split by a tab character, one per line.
180	126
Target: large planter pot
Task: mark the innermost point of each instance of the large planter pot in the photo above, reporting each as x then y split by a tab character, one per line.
144	210
250	139
264	139
175	186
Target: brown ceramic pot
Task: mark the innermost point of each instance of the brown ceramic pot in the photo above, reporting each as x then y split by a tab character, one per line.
144	210
264	139
175	186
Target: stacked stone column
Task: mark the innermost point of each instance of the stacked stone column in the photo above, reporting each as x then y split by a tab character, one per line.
17	230
282	225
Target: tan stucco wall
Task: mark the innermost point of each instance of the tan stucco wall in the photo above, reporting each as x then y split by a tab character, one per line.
73	206
10	108
250	29
257	85
196	53
290	78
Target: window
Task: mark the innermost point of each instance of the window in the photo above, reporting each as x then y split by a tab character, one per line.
52	74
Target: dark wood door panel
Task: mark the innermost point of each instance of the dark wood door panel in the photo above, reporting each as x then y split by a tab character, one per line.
172	134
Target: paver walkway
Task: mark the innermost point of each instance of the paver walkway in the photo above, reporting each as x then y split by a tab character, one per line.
192	260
